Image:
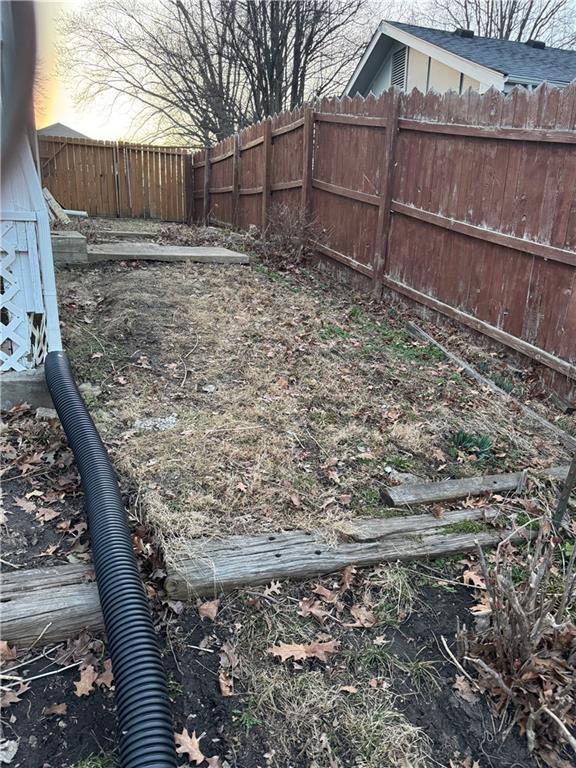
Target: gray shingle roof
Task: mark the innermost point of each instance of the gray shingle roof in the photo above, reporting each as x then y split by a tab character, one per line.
59	129
516	60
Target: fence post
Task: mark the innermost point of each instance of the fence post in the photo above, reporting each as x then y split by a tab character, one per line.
266	162
206	215
236	182
189	189
384	210
307	153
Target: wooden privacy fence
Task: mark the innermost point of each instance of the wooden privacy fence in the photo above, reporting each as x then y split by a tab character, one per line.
109	178
463	203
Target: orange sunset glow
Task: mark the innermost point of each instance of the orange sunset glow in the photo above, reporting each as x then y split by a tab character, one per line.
55	101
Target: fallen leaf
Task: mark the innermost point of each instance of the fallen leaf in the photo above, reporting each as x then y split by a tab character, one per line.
10	697
325	594
348	689
228	656
208	610
464	689
7	653
214	762
317	650
176	605
85	686
274	588
309	606
347	577
55	709
241	487
438	511
471	577
45	514
106	678
333	475
283	383
50	549
295	499
226	684
345	499
363	615
188	745
27	506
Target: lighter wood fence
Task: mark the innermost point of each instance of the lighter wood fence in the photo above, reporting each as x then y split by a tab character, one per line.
108	178
463	203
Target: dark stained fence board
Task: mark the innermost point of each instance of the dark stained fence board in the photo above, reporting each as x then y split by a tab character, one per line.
489	132
481	233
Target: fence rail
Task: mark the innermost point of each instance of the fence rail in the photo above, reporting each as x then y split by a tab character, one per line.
108	178
463	203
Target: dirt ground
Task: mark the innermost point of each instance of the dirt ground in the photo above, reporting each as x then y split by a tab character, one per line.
242	400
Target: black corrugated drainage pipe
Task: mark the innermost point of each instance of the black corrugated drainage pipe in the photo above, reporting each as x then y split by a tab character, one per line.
144	718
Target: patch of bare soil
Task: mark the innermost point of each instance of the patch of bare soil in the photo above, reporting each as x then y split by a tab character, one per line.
240	400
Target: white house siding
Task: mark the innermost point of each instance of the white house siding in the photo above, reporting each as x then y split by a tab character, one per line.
417	70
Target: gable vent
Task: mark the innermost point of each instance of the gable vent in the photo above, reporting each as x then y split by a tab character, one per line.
399	68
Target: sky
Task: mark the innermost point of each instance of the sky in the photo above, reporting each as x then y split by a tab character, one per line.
98	120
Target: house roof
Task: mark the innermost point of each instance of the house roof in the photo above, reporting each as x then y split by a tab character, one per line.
59	129
517	61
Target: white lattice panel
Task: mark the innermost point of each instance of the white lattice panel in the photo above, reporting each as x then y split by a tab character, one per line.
22	326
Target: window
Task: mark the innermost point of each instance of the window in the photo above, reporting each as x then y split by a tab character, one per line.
399	68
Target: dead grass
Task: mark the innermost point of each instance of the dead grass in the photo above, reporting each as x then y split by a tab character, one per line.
293	403
336	714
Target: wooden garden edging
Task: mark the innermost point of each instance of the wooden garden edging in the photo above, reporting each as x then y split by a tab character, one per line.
56	603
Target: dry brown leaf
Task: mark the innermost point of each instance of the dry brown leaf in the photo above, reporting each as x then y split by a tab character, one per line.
13	697
325	594
7	653
214	762
438	511
55	709
295	499
106	678
208	610
363	615
464	689
309	606
299	651
228	656
85	686
189	746
348	689
347	577
483	606
226	684
45	514
274	588
27	506
476	579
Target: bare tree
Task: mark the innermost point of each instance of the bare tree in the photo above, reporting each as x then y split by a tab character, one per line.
553	21
295	49
200	69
